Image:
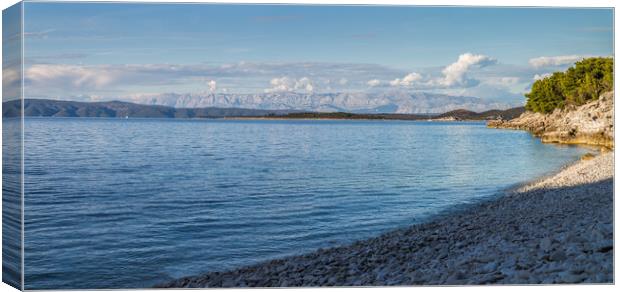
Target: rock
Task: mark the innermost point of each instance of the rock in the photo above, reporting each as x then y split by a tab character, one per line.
572	125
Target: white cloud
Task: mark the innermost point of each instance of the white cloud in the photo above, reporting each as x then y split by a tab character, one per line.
10	76
244	76
11	83
406	81
304	84
212	85
455	74
80	79
72	76
247	77
541	76
282	84
373	82
554	61
286	84
502	81
38	34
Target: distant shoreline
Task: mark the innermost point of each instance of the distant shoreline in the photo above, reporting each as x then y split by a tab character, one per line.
342	119
254	119
118	109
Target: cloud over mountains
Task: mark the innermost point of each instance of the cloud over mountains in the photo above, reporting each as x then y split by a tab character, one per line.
456	73
317	86
453	75
286	84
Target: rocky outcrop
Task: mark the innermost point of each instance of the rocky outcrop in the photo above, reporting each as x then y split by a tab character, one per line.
591	123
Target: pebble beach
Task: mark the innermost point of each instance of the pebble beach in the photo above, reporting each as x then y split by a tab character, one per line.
558	229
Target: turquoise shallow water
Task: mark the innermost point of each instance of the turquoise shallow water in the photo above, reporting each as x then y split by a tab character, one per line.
113	203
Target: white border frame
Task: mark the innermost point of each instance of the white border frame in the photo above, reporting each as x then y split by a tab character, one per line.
502	3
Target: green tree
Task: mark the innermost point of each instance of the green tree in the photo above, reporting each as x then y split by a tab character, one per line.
584	82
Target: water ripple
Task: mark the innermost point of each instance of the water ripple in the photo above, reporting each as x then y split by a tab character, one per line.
131	203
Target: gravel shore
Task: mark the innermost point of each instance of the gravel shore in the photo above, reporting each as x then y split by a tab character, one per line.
555	230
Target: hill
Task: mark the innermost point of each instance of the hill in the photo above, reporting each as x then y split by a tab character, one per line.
119	109
486	115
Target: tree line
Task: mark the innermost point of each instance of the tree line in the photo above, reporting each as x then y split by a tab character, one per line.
579	84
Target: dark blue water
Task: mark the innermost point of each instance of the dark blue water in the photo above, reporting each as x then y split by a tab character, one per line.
12	201
115	203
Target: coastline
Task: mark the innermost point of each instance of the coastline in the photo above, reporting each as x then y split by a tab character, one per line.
557	228
589	124
254	119
344	119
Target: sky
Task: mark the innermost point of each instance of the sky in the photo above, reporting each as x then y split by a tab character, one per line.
104	51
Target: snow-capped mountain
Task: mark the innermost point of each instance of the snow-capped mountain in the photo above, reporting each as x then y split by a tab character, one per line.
396	102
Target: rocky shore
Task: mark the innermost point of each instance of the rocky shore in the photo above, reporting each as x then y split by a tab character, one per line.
591	123
555	230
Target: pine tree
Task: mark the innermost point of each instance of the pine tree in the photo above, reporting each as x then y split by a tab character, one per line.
584	82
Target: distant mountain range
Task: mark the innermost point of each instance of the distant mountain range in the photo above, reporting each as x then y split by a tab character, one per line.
119	109
352	102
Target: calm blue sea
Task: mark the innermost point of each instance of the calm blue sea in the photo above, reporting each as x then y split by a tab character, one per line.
115	203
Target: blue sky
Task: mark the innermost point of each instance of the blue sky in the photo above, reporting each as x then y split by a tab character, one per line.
107	50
